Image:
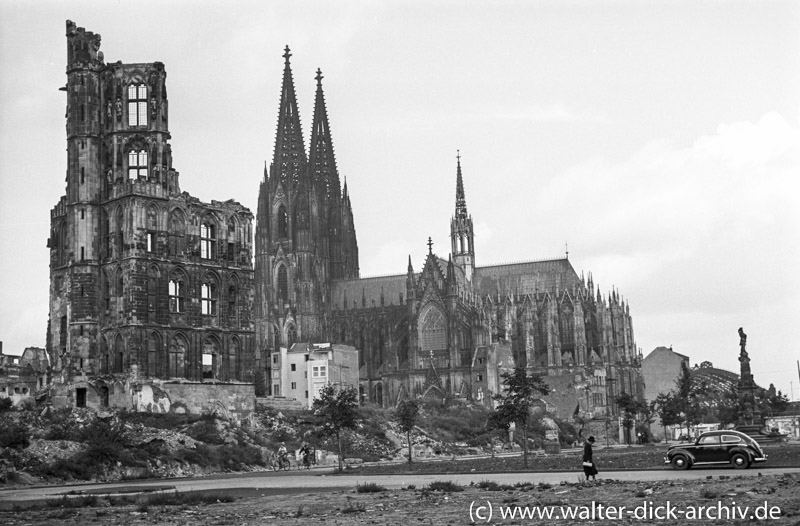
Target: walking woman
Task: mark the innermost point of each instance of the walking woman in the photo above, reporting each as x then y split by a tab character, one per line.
589	468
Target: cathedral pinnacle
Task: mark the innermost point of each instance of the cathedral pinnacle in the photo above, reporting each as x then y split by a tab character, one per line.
286	55
461	201
430	246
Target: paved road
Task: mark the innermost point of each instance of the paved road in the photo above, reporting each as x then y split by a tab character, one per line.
271	483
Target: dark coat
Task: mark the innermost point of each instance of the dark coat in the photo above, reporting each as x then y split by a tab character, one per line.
589	471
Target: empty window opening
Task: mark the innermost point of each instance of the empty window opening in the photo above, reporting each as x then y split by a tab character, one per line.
208	299
176	295
137	105
207	240
80	397
137	164
209	365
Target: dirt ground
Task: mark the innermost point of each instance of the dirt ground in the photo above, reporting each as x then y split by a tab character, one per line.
724	499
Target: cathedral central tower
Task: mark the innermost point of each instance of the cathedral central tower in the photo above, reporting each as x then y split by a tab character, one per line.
462	236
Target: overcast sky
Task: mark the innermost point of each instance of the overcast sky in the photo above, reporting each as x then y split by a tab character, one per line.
660	140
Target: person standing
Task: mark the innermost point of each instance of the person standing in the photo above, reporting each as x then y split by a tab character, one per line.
589	469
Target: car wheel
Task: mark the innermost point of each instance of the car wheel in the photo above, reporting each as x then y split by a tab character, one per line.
740	461
680	462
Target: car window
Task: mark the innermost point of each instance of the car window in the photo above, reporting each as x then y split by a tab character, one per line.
731	439
710	439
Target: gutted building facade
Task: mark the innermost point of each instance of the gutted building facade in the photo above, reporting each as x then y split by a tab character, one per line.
147	283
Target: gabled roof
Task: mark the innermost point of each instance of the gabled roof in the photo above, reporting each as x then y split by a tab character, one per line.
369	289
526	277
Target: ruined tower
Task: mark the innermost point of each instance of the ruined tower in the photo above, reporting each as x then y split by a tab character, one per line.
146	282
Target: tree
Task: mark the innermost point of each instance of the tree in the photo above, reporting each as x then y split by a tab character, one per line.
772	403
689	391
516	401
665	406
727	405
406	416
630	408
339	411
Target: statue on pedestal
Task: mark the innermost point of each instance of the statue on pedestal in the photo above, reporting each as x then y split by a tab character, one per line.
749	418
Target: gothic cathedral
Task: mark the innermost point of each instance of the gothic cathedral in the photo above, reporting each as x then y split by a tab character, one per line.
448	330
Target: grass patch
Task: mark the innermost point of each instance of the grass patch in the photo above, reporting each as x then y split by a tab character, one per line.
447	486
187	499
369	487
489	485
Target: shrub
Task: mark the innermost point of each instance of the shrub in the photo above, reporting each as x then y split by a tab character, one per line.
448	486
369	487
68	469
106	441
205	430
5	404
14	434
488	485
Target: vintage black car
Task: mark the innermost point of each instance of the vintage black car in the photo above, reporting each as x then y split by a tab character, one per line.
716	447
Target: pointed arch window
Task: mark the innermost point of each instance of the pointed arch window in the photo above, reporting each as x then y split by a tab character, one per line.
208	296
233	302
177	293
152	294
283	222
137	164
106	286
208	240
120	233
177	229
119	354
291	336
283	285
137	105
177	357
120	283
432	329
153	345
233	363
210	358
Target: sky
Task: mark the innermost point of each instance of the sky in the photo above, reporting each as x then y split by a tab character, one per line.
657	142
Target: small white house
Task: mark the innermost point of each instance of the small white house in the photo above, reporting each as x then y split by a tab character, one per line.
302	371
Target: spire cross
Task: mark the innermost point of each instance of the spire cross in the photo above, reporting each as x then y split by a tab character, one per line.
458	155
319	77
566	247
430	246
286	54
